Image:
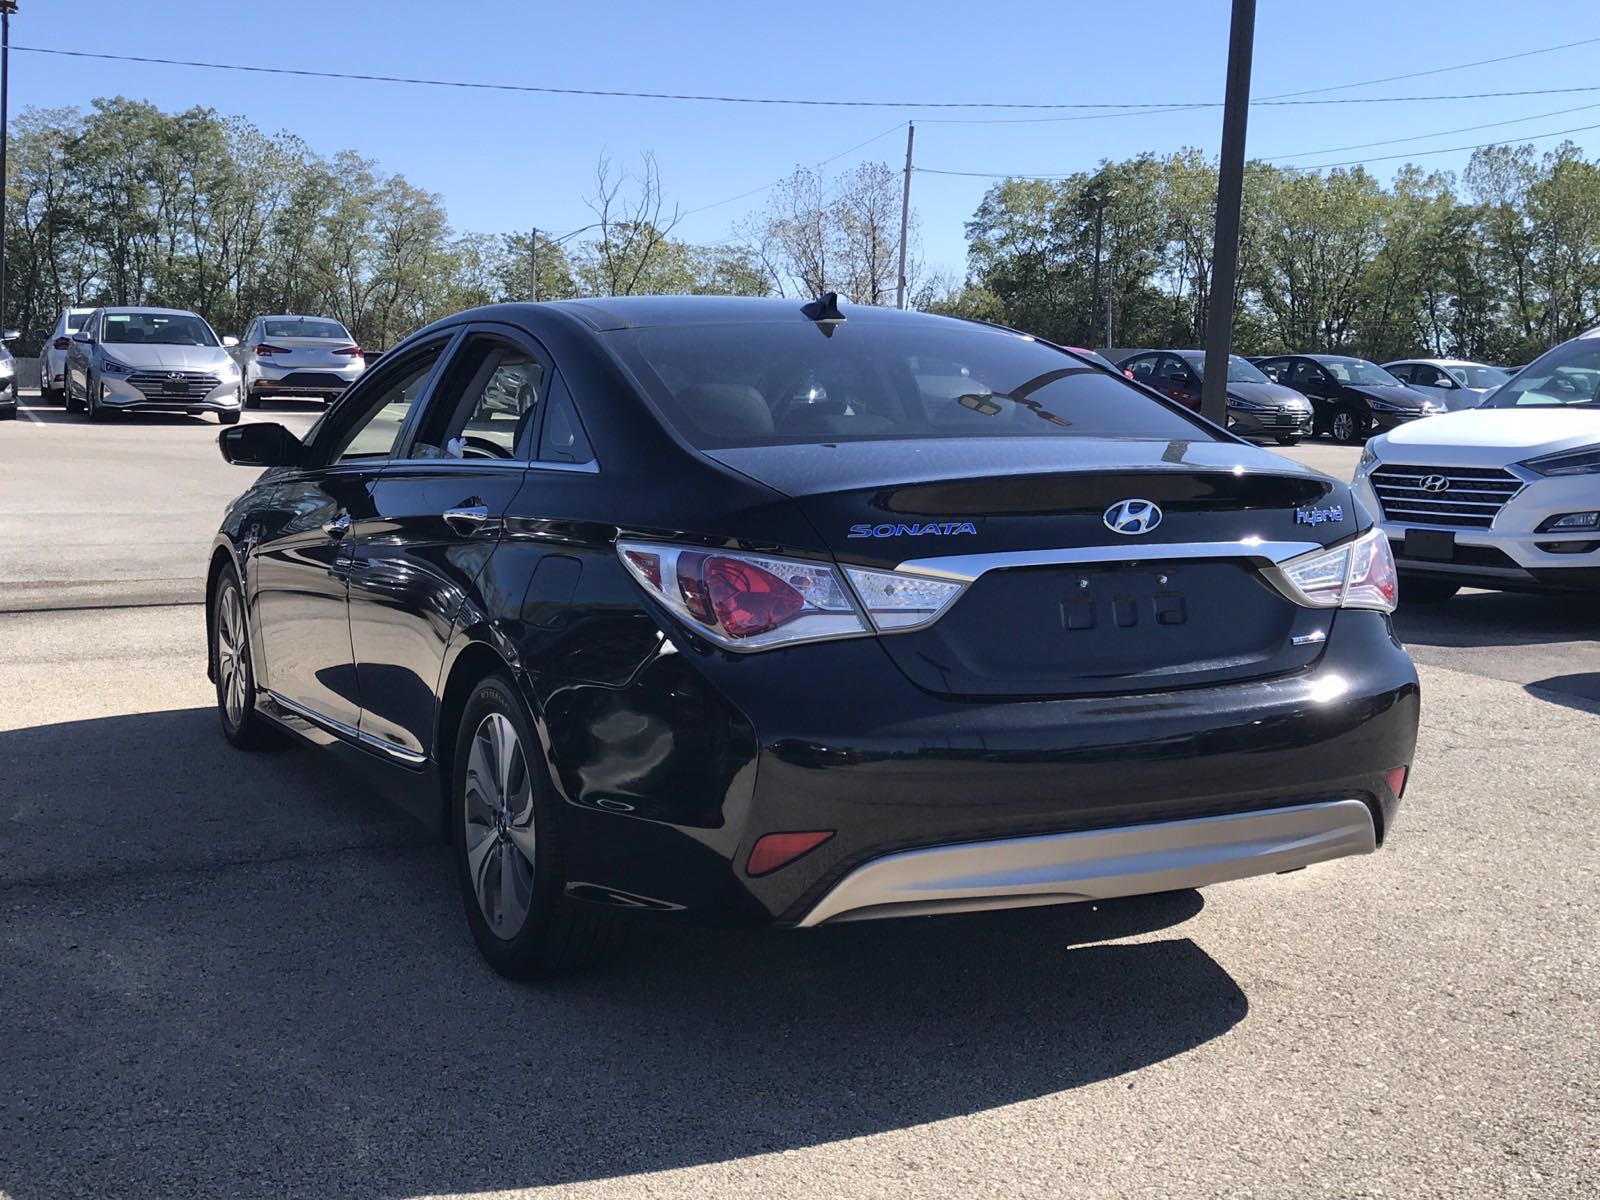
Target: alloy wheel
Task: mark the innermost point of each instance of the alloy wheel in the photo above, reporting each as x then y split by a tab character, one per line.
499	833
233	657
1344	426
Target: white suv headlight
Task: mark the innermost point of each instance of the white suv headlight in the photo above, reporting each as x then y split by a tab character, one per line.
1583	461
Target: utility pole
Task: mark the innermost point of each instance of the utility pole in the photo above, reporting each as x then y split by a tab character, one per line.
1111	291
905	219
1099	236
7	7
533	261
1230	196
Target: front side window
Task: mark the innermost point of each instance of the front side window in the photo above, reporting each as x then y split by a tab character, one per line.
376	431
71	322
1479	377
795	383
1566	377
156	329
487	404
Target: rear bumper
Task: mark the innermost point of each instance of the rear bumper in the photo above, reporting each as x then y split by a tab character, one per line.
1101	864
265	378
1006	787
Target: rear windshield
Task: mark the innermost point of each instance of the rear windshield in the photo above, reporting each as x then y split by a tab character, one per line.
780	384
306	327
1566	377
160	329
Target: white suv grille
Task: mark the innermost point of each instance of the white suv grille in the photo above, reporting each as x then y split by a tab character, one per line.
1462	497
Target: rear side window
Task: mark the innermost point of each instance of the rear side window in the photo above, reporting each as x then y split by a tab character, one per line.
770	384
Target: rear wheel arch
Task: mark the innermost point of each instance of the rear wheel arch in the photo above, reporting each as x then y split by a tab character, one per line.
472	665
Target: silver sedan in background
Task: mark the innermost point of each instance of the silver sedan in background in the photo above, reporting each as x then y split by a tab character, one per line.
125	358
1459	382
289	355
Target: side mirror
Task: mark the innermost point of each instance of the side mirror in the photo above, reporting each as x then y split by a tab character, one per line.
230	341
10	335
80	336
259	445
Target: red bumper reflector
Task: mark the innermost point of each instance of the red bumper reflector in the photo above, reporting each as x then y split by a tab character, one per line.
780	849
1397	780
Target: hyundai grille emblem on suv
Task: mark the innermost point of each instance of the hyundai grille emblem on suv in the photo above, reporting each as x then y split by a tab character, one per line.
1435	483
1132	516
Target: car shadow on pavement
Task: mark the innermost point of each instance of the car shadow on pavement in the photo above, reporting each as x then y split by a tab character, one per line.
245	979
57	415
1580	690
1498	619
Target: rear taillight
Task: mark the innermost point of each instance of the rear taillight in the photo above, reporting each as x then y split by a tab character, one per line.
1358	574
61	343
264	350
756	601
350	352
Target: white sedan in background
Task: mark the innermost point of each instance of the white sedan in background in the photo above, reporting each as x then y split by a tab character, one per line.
289	355
1505	496
1456	382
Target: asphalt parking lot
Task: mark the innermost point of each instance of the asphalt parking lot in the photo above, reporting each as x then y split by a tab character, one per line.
245	976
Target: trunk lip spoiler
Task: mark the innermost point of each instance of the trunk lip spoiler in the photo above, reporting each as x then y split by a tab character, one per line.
966	568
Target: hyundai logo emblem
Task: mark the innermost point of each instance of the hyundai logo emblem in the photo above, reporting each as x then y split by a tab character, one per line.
1435	483
1132	517
174	374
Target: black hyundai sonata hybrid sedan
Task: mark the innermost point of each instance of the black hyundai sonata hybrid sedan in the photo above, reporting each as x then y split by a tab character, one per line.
743	610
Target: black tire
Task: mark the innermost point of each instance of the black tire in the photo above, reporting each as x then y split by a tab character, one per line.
8	413
71	402
243	726
96	412
1348	425
553	935
1289	441
1422	590
228	418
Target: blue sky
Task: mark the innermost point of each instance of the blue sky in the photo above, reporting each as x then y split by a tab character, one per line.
505	161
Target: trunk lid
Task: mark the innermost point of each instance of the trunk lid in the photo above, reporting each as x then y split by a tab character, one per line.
310	352
1173	607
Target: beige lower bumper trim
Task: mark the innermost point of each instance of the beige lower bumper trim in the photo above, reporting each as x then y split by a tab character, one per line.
1098	864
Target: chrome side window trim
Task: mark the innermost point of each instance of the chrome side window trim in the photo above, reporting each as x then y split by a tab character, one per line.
964	568
348	732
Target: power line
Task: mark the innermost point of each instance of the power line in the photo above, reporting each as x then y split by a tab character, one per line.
1265	99
1310	167
806	101
1418	137
822	163
1482	62
1448	149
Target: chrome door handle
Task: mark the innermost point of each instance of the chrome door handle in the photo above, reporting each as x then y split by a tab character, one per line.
337	527
467	518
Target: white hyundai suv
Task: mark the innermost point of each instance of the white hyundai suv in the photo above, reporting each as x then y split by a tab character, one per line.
1506	496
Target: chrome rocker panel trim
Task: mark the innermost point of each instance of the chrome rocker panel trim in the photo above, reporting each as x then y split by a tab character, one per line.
964	568
349	733
1098	864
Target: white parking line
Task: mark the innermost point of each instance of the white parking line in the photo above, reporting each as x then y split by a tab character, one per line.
30	414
